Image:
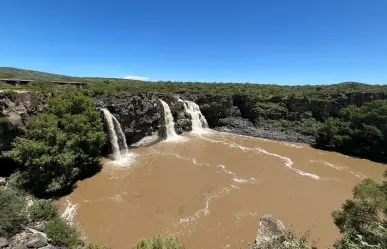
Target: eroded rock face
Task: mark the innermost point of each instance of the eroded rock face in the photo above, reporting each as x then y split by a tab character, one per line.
15	107
270	231
141	114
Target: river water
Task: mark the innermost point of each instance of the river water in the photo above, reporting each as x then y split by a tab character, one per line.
211	189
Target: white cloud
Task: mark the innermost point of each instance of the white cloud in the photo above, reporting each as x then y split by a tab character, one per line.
135	78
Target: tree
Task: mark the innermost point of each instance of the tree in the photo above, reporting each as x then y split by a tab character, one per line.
363	220
359	131
60	144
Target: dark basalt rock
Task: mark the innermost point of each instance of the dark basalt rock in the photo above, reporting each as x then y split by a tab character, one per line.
141	114
14	109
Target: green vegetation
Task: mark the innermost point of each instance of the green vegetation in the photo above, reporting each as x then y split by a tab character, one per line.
60	144
94	246
363	220
359	131
3	120
158	242
43	210
62	234
260	91
13	213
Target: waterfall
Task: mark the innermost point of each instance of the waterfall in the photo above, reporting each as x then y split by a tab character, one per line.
116	135
169	123
198	120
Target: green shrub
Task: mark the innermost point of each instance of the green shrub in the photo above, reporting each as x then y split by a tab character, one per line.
94	246
291	241
363	220
60	144
3	120
158	242
357	241
43	210
359	131
12	212
62	234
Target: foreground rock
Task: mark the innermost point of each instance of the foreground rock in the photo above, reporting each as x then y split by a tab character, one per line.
3	181
3	242
271	231
29	238
272	234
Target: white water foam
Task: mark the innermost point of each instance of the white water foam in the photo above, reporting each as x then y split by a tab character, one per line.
124	161
244	180
242	215
116	135
293	145
169	124
338	167
288	162
70	212
199	122
205	211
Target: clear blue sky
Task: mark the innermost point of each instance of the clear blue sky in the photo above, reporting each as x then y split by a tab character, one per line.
263	41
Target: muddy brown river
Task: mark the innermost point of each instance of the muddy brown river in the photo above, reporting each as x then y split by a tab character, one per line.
211	189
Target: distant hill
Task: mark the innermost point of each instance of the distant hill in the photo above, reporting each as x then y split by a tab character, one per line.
16	73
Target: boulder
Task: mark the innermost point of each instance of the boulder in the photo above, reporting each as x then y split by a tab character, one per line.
3	242
19	239
40	226
271	230
36	240
3	181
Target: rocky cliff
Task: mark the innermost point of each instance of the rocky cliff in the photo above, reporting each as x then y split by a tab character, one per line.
15	107
141	114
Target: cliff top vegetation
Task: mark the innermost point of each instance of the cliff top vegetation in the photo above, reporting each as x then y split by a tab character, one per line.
43	81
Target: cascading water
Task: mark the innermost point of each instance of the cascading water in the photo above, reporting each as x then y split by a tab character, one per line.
119	146
199	122
169	123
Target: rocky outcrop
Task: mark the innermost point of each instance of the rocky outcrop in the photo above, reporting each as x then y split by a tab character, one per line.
270	231
14	109
141	114
29	238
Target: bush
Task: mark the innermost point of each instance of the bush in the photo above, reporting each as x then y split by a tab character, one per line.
12	212
291	241
158	242
363	220
357	241
62	234
43	210
94	246
60	144
359	131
